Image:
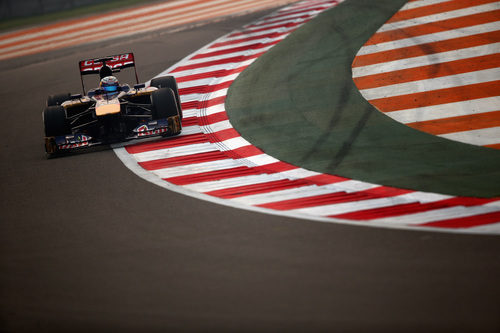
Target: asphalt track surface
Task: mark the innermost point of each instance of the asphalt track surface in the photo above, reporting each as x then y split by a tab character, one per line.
87	245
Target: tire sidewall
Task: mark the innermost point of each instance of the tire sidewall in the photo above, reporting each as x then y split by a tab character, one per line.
168	82
164	104
55	122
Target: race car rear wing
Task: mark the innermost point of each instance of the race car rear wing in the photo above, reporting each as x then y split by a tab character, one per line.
107	66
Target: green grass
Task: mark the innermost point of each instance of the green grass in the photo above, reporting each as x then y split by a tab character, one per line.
22	22
299	104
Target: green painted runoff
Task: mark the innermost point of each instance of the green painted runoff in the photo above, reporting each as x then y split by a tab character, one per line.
299	104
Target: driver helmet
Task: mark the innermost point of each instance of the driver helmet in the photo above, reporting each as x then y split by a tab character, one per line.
109	84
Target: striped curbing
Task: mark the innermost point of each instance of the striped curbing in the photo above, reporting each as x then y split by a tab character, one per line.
434	66
211	161
122	23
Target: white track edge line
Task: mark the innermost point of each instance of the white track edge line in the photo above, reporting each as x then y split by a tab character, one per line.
122	154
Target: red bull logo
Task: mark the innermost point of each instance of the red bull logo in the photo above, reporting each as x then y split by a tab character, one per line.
142	128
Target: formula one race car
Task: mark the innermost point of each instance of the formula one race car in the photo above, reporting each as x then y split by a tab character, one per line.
112	112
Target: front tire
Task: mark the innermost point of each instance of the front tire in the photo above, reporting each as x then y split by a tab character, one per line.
168	82
55	122
164	104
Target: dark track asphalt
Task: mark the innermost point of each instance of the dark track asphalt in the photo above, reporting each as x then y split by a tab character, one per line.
85	245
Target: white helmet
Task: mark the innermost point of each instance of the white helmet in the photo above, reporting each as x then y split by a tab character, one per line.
109	84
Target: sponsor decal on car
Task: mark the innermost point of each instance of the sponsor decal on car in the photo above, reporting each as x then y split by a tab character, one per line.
142	128
153	132
74	145
117	61
82	137
152	128
73	141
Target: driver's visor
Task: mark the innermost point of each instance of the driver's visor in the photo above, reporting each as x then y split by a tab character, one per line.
110	88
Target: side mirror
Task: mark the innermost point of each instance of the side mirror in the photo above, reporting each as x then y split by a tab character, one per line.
139	86
76	96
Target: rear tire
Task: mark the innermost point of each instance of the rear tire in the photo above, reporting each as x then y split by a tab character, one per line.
55	122
58	99
168	82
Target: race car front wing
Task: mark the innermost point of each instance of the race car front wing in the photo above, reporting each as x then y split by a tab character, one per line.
161	127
